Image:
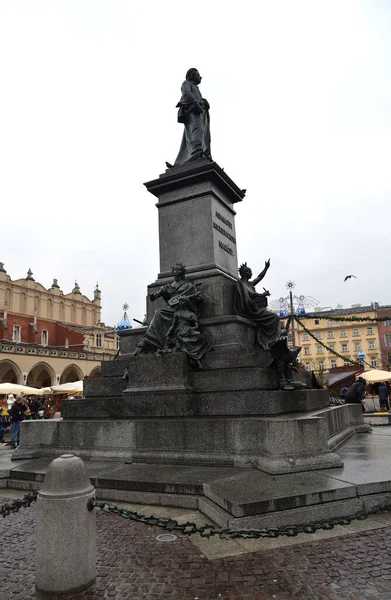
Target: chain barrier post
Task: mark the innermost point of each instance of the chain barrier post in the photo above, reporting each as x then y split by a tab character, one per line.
65	529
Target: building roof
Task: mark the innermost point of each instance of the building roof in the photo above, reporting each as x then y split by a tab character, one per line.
339	376
352	310
344	311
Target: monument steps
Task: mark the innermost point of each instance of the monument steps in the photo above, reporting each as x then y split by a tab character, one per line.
244	498
144	403
286	443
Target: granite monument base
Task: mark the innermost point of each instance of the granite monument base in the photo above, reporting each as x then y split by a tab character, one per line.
166	412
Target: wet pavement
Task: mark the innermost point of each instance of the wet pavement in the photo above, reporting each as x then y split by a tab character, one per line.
347	563
132	564
239	498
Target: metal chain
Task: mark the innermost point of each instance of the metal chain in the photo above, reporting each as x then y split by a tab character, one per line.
207	531
16	505
190	528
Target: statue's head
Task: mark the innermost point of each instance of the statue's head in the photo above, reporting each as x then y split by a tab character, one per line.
245	271
193	75
178	270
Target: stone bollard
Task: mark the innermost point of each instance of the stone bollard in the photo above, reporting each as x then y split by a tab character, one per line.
65	559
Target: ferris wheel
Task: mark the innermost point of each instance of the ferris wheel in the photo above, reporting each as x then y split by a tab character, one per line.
299	305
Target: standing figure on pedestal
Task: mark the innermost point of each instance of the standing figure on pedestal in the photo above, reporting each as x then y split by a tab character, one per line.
250	304
194	114
175	327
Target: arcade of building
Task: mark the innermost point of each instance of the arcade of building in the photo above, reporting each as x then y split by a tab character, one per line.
48	337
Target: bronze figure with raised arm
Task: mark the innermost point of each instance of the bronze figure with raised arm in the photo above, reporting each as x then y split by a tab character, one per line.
252	305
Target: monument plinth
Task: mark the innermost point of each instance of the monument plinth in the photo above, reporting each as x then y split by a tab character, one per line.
197	226
197	218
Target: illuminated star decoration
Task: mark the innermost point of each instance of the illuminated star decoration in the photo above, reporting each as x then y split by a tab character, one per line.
125	323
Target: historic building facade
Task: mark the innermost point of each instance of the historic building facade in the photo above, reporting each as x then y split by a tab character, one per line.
348	339
48	337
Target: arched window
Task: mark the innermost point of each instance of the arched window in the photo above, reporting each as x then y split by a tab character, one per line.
23	303
73	313
50	309
62	311
37	305
8	298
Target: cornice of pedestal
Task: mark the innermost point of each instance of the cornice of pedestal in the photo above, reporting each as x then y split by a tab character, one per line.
199	171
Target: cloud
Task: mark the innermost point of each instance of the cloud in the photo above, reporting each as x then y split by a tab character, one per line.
300	98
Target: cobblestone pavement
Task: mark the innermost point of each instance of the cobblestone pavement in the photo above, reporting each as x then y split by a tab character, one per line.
133	565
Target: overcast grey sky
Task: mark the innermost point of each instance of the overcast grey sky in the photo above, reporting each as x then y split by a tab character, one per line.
87	113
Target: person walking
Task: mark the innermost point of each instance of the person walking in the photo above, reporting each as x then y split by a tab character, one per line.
16	412
383	397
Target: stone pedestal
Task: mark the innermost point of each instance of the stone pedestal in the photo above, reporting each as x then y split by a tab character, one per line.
197	228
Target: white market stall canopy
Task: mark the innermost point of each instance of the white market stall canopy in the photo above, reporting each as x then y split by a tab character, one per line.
15	388
375	376
76	387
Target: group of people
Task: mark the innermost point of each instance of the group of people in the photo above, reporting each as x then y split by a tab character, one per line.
355	393
21	408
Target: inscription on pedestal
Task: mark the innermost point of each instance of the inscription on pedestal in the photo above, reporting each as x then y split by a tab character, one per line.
223	227
226	248
223	219
224	232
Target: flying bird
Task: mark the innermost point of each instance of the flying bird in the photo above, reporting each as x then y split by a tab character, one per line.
349	277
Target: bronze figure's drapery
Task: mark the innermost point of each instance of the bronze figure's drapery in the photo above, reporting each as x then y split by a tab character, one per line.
250	304
175	327
194	114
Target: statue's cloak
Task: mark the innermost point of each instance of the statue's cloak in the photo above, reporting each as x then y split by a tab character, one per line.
251	305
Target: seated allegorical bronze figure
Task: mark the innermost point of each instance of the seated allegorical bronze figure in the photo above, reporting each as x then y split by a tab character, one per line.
252	305
175	327
270	336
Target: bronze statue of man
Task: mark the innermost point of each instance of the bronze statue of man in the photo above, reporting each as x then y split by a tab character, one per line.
194	114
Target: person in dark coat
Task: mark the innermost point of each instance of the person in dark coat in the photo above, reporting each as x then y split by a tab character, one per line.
342	393
16	412
35	406
383	397
356	392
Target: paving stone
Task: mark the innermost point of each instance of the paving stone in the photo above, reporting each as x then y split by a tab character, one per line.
133	565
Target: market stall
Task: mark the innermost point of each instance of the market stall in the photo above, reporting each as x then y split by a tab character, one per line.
375	376
75	388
